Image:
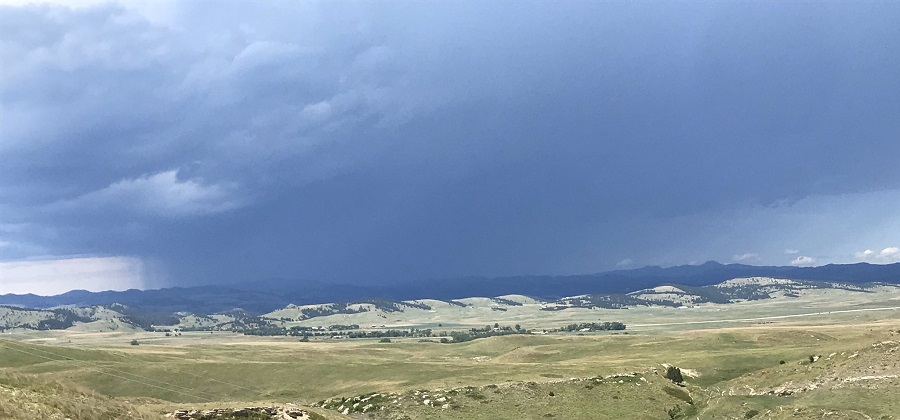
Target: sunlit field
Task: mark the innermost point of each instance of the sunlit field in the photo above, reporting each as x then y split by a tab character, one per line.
737	360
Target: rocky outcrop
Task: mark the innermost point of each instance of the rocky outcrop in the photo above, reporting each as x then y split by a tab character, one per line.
279	413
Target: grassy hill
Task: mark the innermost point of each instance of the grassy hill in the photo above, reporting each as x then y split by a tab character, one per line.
30	397
748	348
382	315
759	370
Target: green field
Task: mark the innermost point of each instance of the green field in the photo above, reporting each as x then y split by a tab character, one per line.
732	362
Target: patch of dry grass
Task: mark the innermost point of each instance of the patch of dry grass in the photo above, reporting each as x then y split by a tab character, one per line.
29	397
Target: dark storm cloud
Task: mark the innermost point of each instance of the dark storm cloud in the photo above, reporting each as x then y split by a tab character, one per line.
372	142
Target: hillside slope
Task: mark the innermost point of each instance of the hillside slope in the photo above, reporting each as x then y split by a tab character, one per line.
29	397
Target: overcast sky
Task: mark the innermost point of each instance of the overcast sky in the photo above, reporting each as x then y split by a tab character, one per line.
146	144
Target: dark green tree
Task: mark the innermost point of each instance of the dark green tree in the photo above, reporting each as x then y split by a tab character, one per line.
674	374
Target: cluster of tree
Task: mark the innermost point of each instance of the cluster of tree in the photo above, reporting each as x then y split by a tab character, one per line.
59	319
346	308
293	331
64	318
592	326
386	305
412	332
267	330
197	328
143	318
674	374
332	309
476	333
506	302
352	331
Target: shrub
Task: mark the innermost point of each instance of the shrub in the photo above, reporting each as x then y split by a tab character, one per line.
134	342
674	412
475	394
385	340
674	374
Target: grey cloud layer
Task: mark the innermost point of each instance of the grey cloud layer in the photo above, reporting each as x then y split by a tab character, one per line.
367	142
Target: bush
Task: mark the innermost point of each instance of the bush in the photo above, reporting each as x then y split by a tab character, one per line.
385	340
674	374
475	394
134	342
674	412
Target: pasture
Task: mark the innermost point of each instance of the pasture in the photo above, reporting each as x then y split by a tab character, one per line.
741	359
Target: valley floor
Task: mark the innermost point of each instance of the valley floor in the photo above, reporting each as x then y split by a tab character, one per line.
825	357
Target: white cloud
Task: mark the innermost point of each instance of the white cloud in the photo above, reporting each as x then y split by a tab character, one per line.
163	194
123	42
317	111
264	53
791	251
803	261
55	276
66	3
745	258
885	256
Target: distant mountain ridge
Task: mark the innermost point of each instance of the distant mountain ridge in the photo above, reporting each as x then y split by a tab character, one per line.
265	296
349	315
625	281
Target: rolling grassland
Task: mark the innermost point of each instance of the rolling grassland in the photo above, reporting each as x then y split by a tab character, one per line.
826	354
